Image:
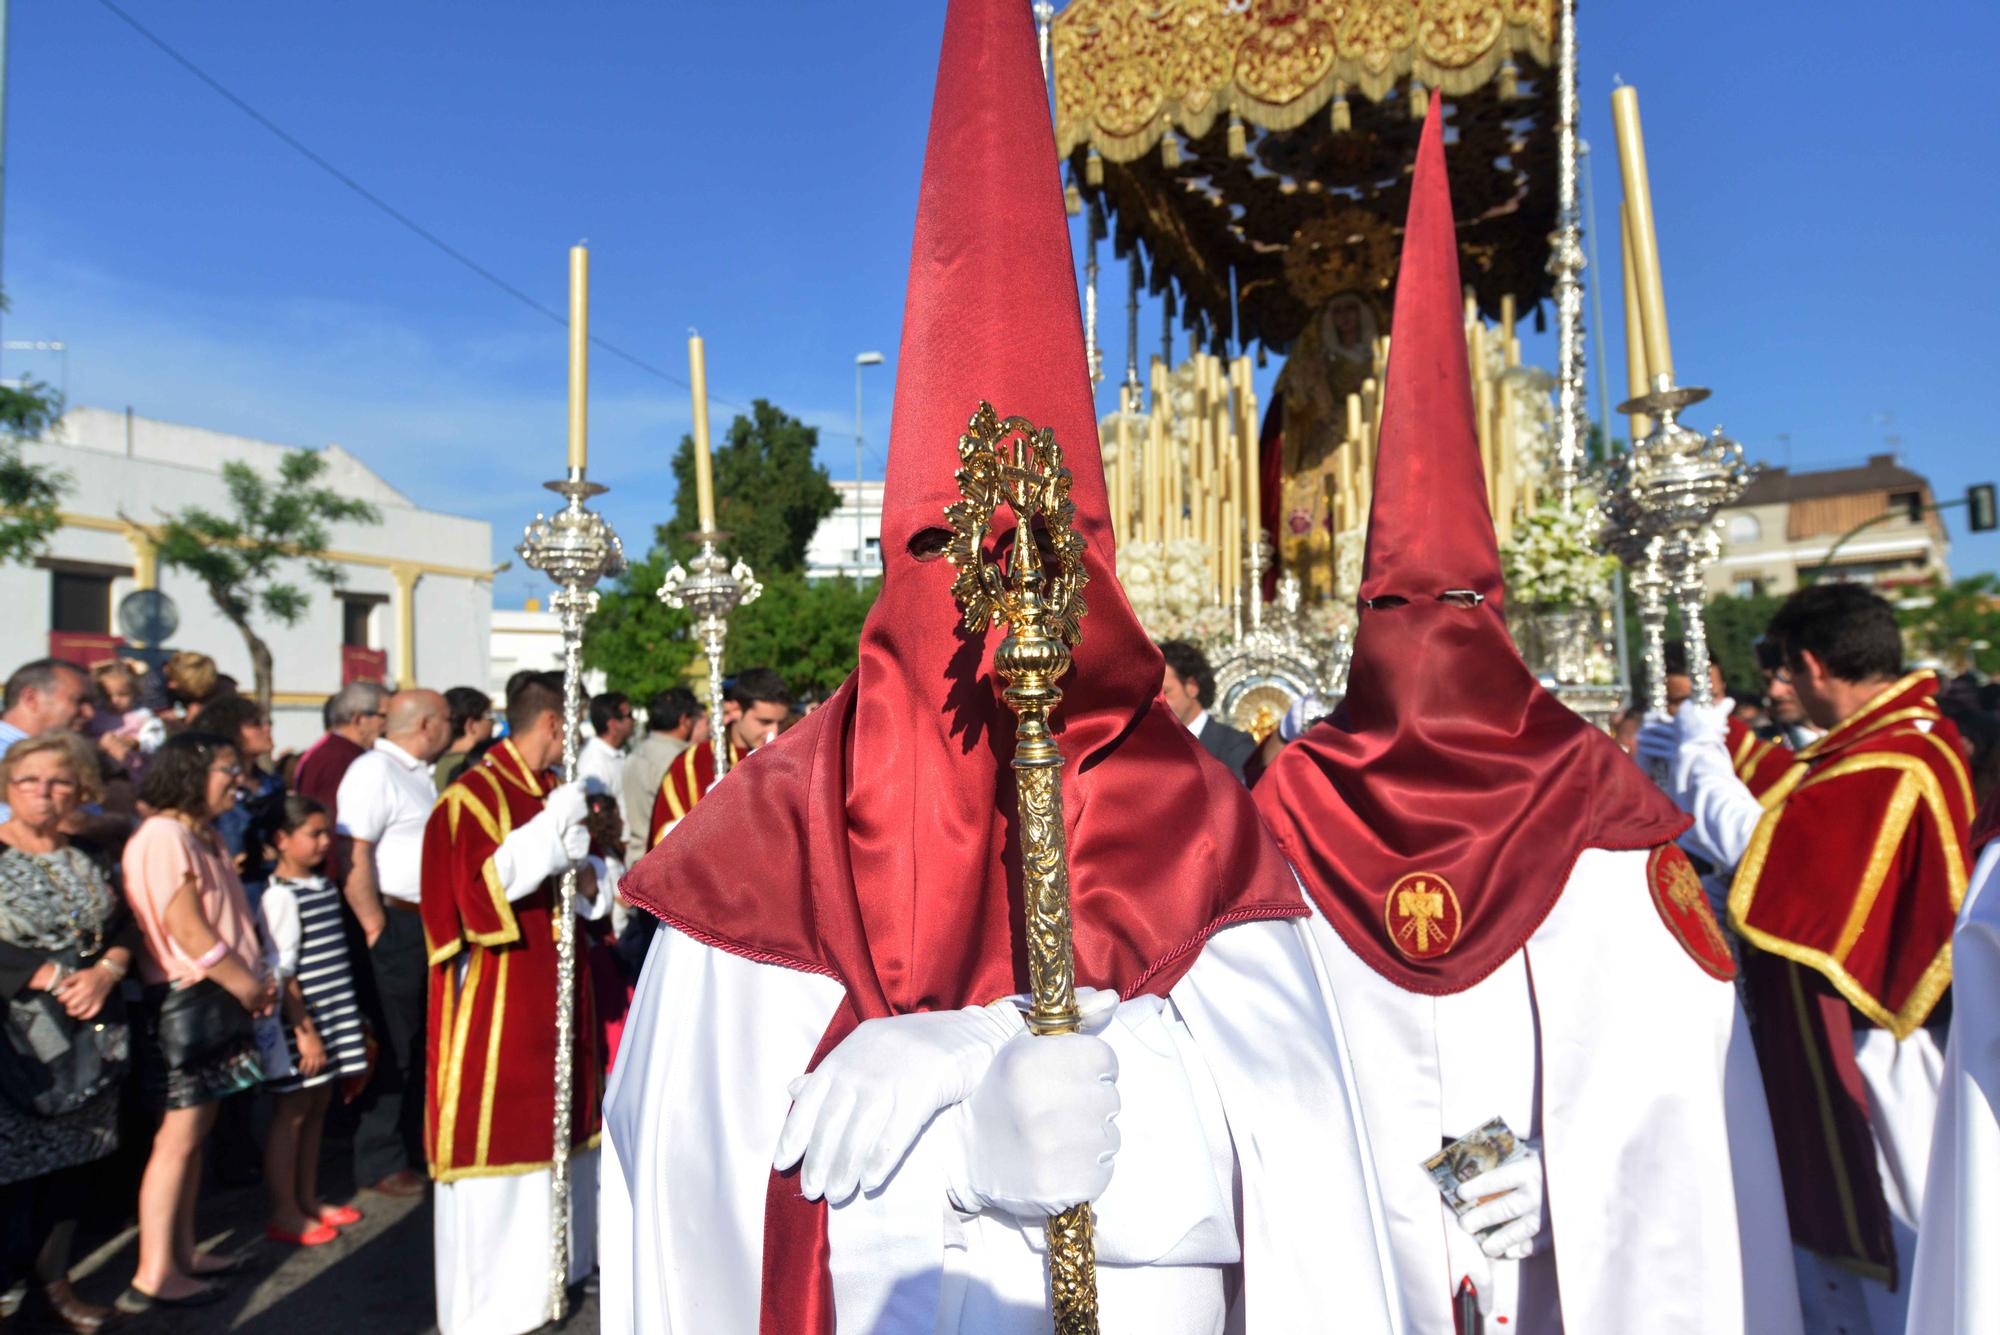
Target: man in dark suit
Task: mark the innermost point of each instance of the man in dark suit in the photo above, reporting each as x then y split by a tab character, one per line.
1188	689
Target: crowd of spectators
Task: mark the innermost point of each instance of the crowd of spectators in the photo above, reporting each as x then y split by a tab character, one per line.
209	949
190	924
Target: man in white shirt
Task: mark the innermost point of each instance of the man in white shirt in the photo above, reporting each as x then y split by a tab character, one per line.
671	717
600	765
385	798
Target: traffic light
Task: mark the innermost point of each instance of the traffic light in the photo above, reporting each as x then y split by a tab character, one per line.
1979	508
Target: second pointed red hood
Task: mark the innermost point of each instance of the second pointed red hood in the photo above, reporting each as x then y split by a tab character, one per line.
1435	818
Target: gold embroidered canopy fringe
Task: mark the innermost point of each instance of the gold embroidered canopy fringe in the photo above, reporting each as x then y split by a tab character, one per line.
1197	126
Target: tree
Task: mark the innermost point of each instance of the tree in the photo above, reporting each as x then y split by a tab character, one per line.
770	496
770	493
29	496
1959	622
240	557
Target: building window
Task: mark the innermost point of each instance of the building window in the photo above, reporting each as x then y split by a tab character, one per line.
80	602
1910	503
1750	586
357	620
1744	528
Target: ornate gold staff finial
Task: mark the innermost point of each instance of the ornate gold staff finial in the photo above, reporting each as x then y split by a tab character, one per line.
1038	596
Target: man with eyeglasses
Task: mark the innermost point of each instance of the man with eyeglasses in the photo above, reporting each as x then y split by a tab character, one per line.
355	718
1848	874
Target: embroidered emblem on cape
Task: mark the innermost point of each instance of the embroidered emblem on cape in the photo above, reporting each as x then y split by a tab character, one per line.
1683	907
1422	915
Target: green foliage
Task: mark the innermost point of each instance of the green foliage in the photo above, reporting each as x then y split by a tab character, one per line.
641	645
29	496
1734	626
1958	623
239	555
770	496
811	633
769	493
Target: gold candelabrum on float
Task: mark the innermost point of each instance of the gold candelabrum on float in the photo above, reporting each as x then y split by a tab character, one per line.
1038	597
575	548
1660	506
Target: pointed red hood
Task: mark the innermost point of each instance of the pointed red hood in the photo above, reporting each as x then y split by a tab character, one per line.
1436	816
874	843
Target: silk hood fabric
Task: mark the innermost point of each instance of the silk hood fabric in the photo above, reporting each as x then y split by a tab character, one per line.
875	842
1446	757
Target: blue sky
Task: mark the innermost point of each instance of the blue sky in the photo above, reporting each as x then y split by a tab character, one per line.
1824	185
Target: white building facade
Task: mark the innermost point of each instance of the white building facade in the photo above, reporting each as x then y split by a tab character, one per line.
412	604
849	541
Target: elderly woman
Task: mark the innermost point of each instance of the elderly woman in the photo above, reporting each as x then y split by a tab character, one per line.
64	945
206	978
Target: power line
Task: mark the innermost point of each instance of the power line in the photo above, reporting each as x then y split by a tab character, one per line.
292	142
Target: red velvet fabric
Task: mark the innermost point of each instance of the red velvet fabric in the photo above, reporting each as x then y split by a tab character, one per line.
1446	760
874	843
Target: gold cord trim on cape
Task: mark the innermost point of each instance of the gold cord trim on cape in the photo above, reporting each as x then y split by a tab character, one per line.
1921	782
511	1169
453	1062
495	1027
1860	724
1822	1101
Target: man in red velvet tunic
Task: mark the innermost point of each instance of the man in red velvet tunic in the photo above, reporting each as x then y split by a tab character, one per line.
494	850
826	1113
761	702
1508	925
1849	874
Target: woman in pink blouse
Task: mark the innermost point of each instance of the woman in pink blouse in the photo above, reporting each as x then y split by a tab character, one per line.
206	978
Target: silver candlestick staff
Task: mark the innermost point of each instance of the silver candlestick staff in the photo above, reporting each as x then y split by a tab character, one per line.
575	548
714	590
1678	479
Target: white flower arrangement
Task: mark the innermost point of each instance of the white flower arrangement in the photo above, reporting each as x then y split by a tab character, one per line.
1168	589
1551	560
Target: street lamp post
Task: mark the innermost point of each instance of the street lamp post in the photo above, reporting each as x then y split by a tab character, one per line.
860	519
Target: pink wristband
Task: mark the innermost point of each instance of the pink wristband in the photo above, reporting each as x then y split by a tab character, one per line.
212	957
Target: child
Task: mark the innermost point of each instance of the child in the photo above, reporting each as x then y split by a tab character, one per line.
301	914
118	720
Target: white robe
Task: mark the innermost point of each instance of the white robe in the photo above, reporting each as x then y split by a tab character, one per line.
1954	1285
1634	1069
491	1236
1241	1157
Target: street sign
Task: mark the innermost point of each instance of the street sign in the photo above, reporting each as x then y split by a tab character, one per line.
147	618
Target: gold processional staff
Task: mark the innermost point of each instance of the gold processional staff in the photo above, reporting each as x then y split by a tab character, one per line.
1039	598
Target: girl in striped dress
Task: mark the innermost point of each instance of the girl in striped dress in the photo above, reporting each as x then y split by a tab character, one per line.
326	1040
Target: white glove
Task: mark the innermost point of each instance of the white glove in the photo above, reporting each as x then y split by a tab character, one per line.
547	845
1038	1134
1659	741
857	1114
1518	1206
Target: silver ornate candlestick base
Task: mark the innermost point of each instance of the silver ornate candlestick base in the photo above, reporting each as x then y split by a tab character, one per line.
1677	479
575	548
713	590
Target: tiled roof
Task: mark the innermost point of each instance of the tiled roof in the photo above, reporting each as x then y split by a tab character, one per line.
1881	473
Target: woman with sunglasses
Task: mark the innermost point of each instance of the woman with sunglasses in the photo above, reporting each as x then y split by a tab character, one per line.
206	978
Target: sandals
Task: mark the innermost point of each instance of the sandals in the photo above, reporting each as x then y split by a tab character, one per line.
315	1235
137	1302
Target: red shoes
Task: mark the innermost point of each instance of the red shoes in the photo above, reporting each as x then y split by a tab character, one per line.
317	1235
340	1216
